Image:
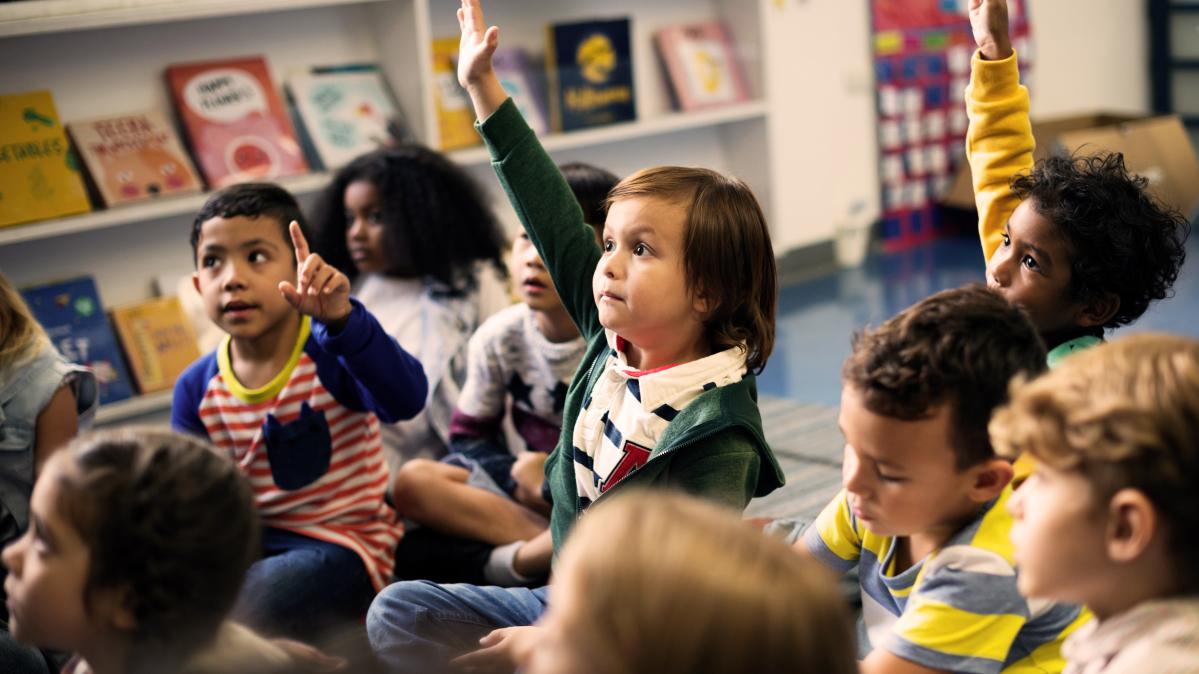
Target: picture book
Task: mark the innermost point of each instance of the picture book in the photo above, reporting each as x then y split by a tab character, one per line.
73	317
455	116
39	175
591	74
236	122
701	65
342	112
524	80
134	157
157	340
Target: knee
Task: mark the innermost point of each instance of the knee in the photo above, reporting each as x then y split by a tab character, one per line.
412	484
394	611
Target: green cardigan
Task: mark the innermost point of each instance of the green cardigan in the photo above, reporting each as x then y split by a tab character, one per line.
714	447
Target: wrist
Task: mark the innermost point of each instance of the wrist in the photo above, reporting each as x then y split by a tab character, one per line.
335	325
996	50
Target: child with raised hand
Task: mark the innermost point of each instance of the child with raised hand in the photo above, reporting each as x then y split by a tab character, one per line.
922	514
678	311
1077	241
295	394
136	550
485	494
423	251
1107	519
670	584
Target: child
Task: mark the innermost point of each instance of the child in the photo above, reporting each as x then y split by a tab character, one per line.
42	398
295	394
481	495
1107	518
678	312
922	515
665	583
1077	241
137	547
424	252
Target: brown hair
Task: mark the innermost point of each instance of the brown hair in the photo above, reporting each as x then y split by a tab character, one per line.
20	334
673	584
728	258
960	347
1124	415
168	517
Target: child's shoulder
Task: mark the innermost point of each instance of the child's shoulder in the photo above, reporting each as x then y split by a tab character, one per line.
504	325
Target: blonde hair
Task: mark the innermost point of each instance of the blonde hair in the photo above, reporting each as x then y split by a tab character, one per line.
21	336
1124	415
673	584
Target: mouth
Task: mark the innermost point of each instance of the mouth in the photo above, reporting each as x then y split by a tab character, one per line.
533	284
237	308
359	254
607	296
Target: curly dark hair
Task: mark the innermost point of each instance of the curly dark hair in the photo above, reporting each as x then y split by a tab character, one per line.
1122	241
251	200
170	518
438	220
959	346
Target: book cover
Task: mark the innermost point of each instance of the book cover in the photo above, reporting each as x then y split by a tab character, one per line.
525	83
455	115
73	317
39	175
701	65
343	112
591	73
134	157
236	123
157	340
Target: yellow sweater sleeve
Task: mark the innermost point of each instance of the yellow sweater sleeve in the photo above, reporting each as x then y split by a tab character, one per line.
999	143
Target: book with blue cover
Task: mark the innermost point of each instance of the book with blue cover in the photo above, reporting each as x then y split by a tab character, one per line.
73	317
591	72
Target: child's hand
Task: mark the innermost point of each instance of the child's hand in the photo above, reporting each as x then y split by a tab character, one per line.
529	473
323	292
988	19
502	650
477	45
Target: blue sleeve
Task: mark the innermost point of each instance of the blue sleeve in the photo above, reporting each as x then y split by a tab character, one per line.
189	392
365	369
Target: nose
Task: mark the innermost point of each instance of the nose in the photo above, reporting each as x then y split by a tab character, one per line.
999	272
852	475
233	276
13	554
1015	504
611	265
357	230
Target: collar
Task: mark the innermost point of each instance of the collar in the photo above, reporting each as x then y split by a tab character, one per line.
665	384
224	359
1103	641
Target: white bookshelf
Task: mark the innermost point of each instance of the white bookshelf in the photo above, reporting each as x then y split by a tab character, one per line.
156	404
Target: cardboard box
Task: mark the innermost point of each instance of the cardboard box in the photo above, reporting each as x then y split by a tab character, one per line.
1155	147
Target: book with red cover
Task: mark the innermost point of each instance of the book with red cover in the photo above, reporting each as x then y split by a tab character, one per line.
236	122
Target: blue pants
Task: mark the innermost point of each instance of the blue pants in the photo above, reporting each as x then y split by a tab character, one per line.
416	626
302	587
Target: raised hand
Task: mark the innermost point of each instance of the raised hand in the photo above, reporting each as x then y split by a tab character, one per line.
989	21
475	72
321	291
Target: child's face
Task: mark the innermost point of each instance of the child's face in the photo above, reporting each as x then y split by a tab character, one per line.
241	262
902	476
1059	537
1031	269
533	282
365	227
47	573
639	285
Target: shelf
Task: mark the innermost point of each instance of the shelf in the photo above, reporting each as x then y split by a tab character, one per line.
135	213
59	16
613	133
134	407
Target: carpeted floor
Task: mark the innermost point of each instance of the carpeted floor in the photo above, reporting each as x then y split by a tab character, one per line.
808	445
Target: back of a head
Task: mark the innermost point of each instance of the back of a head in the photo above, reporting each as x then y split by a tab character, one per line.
590	185
672	584
727	254
167	517
20	333
1123	414
250	200
1122	241
960	346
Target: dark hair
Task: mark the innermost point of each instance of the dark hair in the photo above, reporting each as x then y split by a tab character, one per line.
1122	241
959	346
168	517
726	251
591	186
251	200
437	217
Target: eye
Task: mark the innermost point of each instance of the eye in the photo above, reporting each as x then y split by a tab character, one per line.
640	249
524	236
208	261
1029	262
376	217
350	217
1007	239
609	245
167	169
258	256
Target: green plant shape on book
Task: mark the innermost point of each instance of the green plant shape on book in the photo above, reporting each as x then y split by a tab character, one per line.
33	118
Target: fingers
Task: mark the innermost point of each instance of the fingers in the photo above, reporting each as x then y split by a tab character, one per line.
474	15
290	294
298	241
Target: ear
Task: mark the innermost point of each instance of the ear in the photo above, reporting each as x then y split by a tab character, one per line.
1131	525
700	303
989	479
196	281
1098	310
115	606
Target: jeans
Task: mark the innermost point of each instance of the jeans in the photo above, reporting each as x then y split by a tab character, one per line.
302	587
417	626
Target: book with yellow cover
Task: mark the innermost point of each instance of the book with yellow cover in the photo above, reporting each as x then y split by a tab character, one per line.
455	115
39	176
158	341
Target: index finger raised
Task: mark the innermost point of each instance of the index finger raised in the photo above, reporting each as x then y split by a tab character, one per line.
298	241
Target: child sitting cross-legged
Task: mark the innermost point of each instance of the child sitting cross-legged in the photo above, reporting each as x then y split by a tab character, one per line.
1108	517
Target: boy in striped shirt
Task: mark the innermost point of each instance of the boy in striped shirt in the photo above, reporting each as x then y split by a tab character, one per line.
922	514
295	394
